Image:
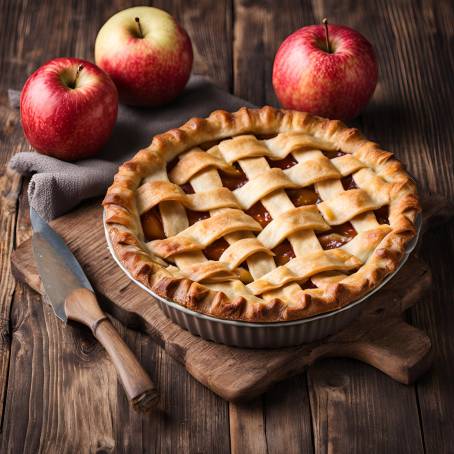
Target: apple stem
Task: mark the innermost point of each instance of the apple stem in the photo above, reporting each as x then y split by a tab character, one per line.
139	27
79	69
325	23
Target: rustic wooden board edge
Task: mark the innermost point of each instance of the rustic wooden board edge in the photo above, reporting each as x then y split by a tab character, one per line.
352	342
273	366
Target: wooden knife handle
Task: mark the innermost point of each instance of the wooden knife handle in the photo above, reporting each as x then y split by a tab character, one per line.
81	305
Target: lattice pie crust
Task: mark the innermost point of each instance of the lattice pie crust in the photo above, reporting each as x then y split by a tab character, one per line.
261	215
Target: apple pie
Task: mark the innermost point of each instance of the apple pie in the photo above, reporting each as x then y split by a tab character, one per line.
261	215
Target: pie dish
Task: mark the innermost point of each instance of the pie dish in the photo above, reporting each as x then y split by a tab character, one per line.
261	215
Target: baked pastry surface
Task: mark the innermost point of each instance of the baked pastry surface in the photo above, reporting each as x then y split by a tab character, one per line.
261	215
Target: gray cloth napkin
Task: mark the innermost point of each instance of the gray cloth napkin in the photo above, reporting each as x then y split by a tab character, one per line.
57	186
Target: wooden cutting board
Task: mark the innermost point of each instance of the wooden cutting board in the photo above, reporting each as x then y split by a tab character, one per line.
379	337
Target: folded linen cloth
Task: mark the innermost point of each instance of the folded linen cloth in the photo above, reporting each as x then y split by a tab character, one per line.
57	186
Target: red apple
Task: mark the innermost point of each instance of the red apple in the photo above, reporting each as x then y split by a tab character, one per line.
147	54
68	108
329	71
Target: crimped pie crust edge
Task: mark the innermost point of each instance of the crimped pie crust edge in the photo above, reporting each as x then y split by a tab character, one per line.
124	228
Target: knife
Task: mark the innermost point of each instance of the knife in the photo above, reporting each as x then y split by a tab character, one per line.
71	296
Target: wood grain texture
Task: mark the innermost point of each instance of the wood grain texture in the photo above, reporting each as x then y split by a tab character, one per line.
185	422
71	372
411	114
192	419
56	373
82	306
209	25
436	391
347	417
259	28
288	424
405	119
10	186
238	374
276	423
36	422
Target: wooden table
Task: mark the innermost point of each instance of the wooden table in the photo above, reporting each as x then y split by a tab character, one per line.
58	390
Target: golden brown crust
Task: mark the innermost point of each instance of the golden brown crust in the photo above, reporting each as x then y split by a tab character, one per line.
122	214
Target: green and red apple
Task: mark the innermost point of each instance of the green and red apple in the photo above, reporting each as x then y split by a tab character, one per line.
146	53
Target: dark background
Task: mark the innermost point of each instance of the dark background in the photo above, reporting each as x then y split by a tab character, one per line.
58	390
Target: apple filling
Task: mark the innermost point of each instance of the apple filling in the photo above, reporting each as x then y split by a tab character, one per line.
152	225
303	196
283	164
215	249
334	238
260	214
348	183
233	182
382	215
337	236
284	253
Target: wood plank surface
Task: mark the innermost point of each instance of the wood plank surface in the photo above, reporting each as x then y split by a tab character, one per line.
9	192
209	25
68	366
259	28
436	391
410	115
344	406
349	397
84	409
240	374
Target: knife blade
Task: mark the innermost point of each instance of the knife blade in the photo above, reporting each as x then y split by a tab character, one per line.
59	270
71	296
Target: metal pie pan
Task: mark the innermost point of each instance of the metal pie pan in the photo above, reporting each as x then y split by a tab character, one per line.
264	335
